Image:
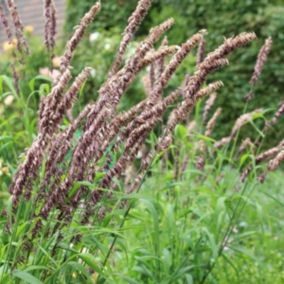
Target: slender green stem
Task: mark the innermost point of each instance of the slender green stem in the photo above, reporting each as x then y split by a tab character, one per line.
236	214
126	213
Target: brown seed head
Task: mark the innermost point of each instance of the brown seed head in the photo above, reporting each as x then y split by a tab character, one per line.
274	164
261	59
133	24
77	36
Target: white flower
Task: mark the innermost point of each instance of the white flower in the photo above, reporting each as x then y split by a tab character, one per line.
94	36
9	100
226	248
235	230
93	72
107	46
56	62
44	72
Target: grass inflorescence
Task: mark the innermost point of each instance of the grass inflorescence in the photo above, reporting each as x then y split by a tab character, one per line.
76	213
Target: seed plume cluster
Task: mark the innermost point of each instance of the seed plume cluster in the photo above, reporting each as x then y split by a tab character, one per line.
5	24
101	146
14	31
77	36
19	28
261	59
50	24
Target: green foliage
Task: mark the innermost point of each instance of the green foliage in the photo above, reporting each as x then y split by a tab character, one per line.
113	13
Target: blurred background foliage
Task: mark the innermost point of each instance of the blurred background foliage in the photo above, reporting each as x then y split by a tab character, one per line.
221	18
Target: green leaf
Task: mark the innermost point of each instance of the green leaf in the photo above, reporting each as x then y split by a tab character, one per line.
91	261
36	267
26	277
9	83
204	138
38	78
1	85
87	184
243	159
181	132
44	89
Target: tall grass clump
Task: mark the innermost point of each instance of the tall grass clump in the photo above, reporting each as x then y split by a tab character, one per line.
77	187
